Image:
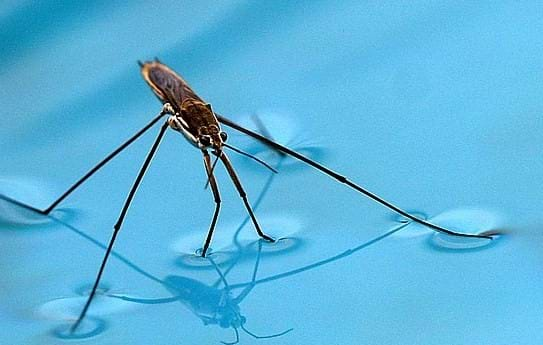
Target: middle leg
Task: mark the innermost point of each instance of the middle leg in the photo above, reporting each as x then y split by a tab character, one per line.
243	195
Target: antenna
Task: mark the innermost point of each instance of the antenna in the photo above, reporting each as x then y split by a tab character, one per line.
265	336
235	149
233	342
212	169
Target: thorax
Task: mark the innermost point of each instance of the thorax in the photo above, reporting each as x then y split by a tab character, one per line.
194	120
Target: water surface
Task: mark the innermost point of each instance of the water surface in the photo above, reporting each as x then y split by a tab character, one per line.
434	106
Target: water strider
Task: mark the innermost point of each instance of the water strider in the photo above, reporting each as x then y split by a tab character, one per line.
195	119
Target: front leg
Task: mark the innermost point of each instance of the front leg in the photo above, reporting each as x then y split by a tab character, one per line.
216	196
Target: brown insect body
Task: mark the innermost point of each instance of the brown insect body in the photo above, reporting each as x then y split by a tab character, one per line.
193	117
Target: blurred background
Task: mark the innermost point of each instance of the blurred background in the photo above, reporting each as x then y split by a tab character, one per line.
435	106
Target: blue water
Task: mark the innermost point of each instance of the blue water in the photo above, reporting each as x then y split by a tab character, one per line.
435	106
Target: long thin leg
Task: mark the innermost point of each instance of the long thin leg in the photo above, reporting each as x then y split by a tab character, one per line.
341	179
166	109
119	222
216	197
243	195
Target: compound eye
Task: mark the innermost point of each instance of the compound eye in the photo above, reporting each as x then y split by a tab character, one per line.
205	140
224	136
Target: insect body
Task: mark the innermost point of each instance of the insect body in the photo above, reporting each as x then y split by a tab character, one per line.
190	114
196	120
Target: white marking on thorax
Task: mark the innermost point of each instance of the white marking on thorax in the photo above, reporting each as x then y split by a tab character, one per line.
177	123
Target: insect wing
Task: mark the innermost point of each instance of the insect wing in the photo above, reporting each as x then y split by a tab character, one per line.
167	85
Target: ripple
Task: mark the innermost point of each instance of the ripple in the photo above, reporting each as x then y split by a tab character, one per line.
15	215
242	244
410	228
398	218
188	248
280	246
445	241
277	226
282	126
88	328
306	148
227	243
196	260
17	197
86	289
69	308
282	228
467	220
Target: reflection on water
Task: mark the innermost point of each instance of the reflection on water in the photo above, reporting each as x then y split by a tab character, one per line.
220	307
18	215
215	303
331	259
211	304
287	131
218	302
